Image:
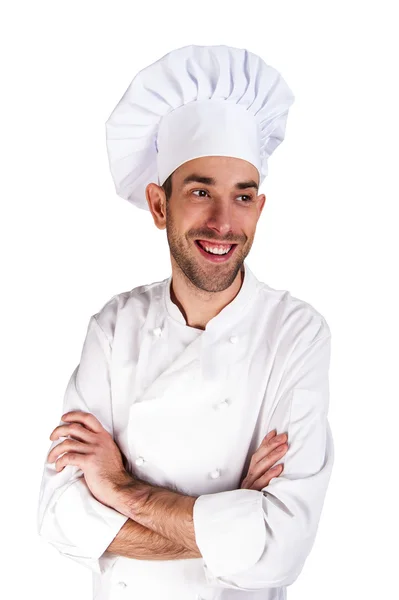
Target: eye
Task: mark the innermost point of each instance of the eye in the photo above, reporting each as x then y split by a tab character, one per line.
199	191
249	198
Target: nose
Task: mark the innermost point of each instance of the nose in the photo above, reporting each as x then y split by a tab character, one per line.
220	217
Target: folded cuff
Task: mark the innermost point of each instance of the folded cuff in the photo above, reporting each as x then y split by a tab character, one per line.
229	530
80	526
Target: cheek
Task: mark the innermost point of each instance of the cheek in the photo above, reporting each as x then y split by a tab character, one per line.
184	215
192	221
248	223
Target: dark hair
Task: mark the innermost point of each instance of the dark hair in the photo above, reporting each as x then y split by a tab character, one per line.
167	186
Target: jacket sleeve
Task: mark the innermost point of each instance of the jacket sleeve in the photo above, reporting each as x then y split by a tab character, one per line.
69	517
253	539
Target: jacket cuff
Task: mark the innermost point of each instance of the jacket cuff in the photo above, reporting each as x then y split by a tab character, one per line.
80	527
229	530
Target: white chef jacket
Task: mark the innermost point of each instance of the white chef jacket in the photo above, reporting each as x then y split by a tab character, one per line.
188	408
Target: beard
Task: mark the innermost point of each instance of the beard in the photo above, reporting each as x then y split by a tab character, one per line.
209	277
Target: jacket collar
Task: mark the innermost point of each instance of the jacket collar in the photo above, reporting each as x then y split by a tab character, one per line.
229	314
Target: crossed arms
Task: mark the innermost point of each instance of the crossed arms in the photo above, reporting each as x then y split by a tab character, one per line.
248	539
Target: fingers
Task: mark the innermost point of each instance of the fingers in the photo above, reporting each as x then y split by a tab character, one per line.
265	479
68	446
272	449
75	430
269	436
86	419
260	479
271	455
76	459
256	480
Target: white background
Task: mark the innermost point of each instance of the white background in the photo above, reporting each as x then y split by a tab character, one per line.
328	234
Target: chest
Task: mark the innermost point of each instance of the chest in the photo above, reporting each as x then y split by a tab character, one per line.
191	420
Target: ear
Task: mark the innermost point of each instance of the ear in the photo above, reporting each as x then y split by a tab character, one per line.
261	203
156	201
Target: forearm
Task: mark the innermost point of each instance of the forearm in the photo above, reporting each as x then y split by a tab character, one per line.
166	513
136	541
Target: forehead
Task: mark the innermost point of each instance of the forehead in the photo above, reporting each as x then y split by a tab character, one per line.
218	170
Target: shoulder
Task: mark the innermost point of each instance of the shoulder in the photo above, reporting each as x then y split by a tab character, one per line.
293	317
132	303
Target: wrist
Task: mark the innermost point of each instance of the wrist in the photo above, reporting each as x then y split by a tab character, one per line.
130	496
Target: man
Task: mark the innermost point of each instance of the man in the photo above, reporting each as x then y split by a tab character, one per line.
160	478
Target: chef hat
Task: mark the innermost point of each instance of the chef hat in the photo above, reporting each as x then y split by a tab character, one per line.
195	101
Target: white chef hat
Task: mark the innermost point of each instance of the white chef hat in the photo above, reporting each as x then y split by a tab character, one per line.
195	101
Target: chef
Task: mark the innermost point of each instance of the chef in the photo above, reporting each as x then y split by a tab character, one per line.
182	384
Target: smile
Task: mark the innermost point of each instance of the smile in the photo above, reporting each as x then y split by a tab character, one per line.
215	252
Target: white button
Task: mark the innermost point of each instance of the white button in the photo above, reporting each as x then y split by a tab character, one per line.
234	339
215	474
157	332
122	584
222	405
139	461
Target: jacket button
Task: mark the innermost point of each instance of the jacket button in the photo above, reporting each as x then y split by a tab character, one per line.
215	474
157	332
139	461
233	339
223	404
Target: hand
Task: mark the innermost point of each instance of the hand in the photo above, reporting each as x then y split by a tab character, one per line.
272	448
94	451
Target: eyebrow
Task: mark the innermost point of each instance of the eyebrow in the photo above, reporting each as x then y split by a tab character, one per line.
240	185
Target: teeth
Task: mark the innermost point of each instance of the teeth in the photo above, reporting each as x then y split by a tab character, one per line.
217	250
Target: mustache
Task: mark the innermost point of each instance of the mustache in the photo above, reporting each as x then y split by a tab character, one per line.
212	238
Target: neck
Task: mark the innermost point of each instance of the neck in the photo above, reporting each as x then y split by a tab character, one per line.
197	306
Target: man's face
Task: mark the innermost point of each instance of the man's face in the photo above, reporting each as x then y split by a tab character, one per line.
218	211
